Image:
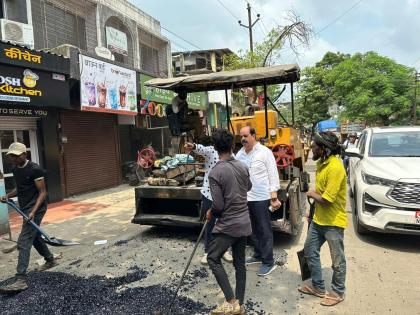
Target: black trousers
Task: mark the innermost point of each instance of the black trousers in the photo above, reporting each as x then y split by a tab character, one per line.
219	245
30	237
262	232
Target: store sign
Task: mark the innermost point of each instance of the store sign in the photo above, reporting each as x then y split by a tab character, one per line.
19	56
197	100
32	87
8	110
105	87
116	41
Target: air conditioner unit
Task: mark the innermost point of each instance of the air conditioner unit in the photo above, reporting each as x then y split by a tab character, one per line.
18	33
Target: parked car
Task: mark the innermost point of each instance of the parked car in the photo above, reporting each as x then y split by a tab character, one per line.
384	173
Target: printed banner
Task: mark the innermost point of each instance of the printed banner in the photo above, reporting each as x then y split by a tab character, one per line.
116	41
108	88
198	100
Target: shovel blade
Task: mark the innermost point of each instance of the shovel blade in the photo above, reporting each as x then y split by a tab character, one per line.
59	242
303	264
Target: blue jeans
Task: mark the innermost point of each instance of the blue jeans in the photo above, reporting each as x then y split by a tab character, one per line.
262	232
317	235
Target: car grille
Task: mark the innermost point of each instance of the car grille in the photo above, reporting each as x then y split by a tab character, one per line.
406	193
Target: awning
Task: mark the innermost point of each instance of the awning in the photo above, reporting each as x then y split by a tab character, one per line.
230	79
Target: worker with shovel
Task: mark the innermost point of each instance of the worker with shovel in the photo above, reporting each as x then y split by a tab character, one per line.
229	184
31	192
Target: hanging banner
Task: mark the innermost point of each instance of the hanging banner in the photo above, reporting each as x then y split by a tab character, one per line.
108	88
198	100
116	41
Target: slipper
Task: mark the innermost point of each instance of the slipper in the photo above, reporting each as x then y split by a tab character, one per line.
332	298
307	288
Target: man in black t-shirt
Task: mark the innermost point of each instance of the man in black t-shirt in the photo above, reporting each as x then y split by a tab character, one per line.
31	192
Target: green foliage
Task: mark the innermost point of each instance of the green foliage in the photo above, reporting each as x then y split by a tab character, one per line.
373	88
315	94
367	87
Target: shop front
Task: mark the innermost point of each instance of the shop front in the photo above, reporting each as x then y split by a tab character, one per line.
34	86
151	129
89	137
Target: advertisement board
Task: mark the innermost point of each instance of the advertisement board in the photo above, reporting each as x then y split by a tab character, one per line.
32	87
105	87
197	100
27	58
116	41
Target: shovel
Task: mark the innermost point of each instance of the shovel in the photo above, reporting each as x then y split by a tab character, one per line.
185	271
305	272
49	240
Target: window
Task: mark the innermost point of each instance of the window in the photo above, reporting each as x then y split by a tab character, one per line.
149	59
64	28
396	144
362	143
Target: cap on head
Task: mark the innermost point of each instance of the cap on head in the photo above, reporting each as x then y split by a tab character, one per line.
16	148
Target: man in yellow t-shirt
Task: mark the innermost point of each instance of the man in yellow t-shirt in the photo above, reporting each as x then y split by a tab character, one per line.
329	220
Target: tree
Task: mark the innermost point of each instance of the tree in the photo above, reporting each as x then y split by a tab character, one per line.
315	95
266	53
372	88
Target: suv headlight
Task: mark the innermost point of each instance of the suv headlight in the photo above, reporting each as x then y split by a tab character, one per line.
373	180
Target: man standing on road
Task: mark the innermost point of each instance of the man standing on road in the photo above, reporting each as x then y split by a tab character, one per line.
31	193
329	220
229	184
207	150
265	184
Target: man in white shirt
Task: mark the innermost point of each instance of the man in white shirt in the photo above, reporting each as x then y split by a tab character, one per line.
211	157
265	184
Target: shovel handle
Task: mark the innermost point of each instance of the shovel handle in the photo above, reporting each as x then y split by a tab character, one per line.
11	203
188	265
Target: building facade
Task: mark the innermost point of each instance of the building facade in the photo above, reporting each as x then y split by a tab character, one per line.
79	134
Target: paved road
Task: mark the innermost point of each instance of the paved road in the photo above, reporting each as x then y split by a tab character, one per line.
383	270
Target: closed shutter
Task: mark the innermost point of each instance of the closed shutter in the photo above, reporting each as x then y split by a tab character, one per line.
17	123
91	154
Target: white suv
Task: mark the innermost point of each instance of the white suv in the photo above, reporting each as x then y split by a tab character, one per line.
384	173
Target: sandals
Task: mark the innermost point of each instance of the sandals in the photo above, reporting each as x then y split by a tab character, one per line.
332	298
307	288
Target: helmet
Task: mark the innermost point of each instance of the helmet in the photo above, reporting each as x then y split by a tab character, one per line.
352	135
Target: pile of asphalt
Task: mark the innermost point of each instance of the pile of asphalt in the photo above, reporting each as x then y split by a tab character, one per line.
62	293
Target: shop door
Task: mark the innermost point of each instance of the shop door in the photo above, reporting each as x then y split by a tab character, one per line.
91	157
16	130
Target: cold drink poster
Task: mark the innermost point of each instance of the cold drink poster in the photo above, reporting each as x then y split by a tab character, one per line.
105	87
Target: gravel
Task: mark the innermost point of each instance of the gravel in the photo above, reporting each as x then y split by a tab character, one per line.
62	293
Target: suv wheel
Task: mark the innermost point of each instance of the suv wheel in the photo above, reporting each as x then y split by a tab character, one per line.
360	229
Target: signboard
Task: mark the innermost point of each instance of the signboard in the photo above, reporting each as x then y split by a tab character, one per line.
31	87
19	56
108	88
195	100
22	111
116	41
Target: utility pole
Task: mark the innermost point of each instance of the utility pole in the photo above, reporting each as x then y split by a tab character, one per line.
414	108
250	26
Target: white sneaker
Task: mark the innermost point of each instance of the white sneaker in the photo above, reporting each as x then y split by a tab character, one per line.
204	260
228	257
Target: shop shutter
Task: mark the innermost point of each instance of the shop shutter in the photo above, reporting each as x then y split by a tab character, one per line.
17	123
91	154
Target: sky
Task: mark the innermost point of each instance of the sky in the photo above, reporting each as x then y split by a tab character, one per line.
389	27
